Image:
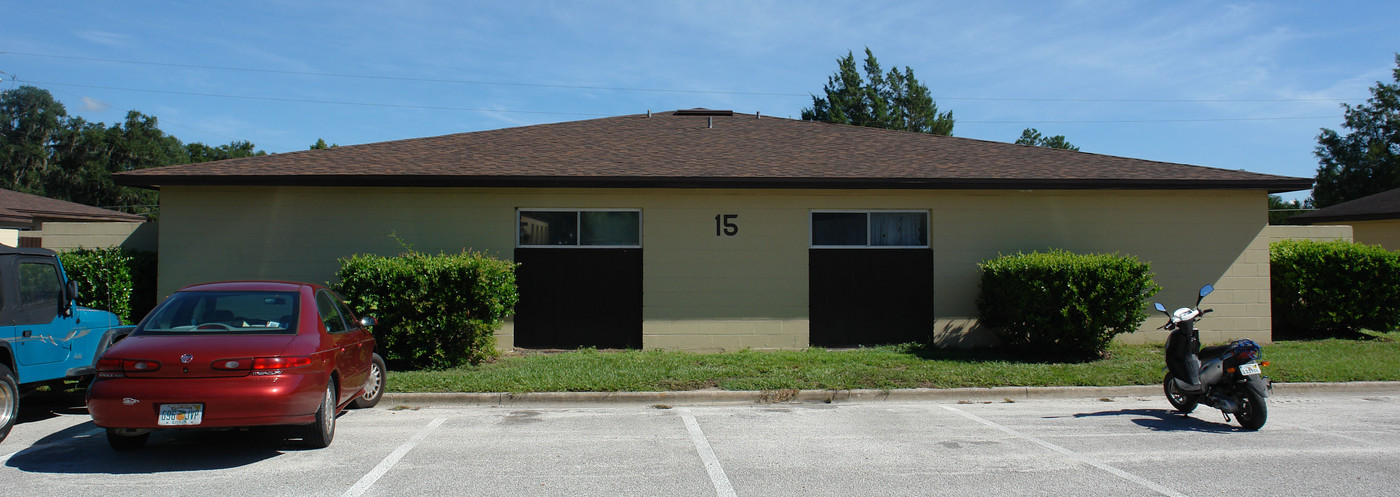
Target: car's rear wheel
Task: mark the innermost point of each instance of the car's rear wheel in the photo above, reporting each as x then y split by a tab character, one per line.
374	386
320	432
127	441
9	400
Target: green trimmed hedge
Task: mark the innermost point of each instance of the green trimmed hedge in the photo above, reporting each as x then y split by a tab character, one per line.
1061	305
117	280
1333	288
434	311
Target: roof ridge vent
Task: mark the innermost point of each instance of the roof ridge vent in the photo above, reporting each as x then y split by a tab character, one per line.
703	112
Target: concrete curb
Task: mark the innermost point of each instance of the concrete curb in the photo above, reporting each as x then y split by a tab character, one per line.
726	397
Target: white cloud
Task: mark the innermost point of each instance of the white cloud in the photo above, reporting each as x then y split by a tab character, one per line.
94	105
104	38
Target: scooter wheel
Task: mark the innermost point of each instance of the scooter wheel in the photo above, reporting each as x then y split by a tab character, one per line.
1253	411
1182	402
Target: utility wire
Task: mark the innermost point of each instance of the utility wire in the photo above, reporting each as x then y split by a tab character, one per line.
408	79
656	90
300	100
585	114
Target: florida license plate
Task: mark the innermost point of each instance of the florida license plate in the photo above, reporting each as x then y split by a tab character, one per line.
180	414
1249	369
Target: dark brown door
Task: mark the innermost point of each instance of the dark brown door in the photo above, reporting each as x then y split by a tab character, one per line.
579	297
870	296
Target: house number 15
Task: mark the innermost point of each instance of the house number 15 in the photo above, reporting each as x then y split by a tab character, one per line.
725	226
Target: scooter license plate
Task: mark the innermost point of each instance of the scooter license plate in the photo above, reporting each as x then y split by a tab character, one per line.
1249	369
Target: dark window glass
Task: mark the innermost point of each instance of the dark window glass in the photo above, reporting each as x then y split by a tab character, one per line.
838	228
611	228
330	313
38	285
899	229
548	227
345	311
254	313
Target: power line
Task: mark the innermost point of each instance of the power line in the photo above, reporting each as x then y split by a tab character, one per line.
301	100
585	114
408	79
657	90
1103	121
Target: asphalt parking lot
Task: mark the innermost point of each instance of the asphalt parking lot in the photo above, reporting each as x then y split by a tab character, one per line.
1317	443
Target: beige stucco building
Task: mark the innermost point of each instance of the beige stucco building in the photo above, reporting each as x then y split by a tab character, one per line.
709	230
1374	219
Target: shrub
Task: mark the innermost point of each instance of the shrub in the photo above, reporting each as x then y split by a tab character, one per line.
118	280
1061	305
434	311
1333	288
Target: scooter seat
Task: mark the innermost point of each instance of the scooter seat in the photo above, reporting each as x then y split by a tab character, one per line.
1213	351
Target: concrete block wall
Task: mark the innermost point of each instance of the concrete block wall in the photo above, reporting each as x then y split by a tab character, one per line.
707	292
62	236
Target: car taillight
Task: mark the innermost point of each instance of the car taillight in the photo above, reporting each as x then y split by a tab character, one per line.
275	365
117	368
109	368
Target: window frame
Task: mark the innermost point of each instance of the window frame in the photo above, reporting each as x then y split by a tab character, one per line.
811	228
335	306
578	226
56	293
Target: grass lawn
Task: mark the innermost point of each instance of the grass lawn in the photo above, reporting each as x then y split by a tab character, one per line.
899	366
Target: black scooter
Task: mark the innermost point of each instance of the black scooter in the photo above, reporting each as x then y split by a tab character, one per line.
1226	377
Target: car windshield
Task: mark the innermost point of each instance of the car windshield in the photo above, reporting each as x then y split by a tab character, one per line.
224	313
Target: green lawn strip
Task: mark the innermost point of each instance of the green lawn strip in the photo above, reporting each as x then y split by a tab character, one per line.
891	367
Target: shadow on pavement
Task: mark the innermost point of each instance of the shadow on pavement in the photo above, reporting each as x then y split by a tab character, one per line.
38	406
83	449
1167	420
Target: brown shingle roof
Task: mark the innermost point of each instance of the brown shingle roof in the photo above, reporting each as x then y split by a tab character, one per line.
22	208
1383	205
670	150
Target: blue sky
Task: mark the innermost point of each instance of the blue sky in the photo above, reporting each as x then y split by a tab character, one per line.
1230	85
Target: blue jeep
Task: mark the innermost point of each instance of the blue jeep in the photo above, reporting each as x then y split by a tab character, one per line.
45	337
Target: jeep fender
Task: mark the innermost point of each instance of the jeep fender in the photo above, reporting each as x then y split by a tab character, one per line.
110	337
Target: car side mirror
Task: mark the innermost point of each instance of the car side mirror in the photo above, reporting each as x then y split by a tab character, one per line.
368	321
70	292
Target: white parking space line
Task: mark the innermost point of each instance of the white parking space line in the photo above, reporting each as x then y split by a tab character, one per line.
723	487
1328	433
392	459
90	433
1072	454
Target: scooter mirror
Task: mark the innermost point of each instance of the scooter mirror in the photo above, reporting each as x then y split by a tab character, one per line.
1205	290
1159	306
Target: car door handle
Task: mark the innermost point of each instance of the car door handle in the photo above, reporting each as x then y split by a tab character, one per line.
28	333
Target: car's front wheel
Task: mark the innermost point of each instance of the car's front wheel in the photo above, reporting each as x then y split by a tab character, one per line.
320	432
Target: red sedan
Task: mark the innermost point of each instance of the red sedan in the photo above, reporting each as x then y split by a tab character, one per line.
238	354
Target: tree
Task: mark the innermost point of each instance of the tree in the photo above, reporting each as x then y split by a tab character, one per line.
1366	160
45	152
30	120
1280	210
1032	137
200	152
321	145
893	100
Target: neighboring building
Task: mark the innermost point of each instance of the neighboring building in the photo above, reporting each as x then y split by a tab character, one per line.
31	214
1374	219
712	230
